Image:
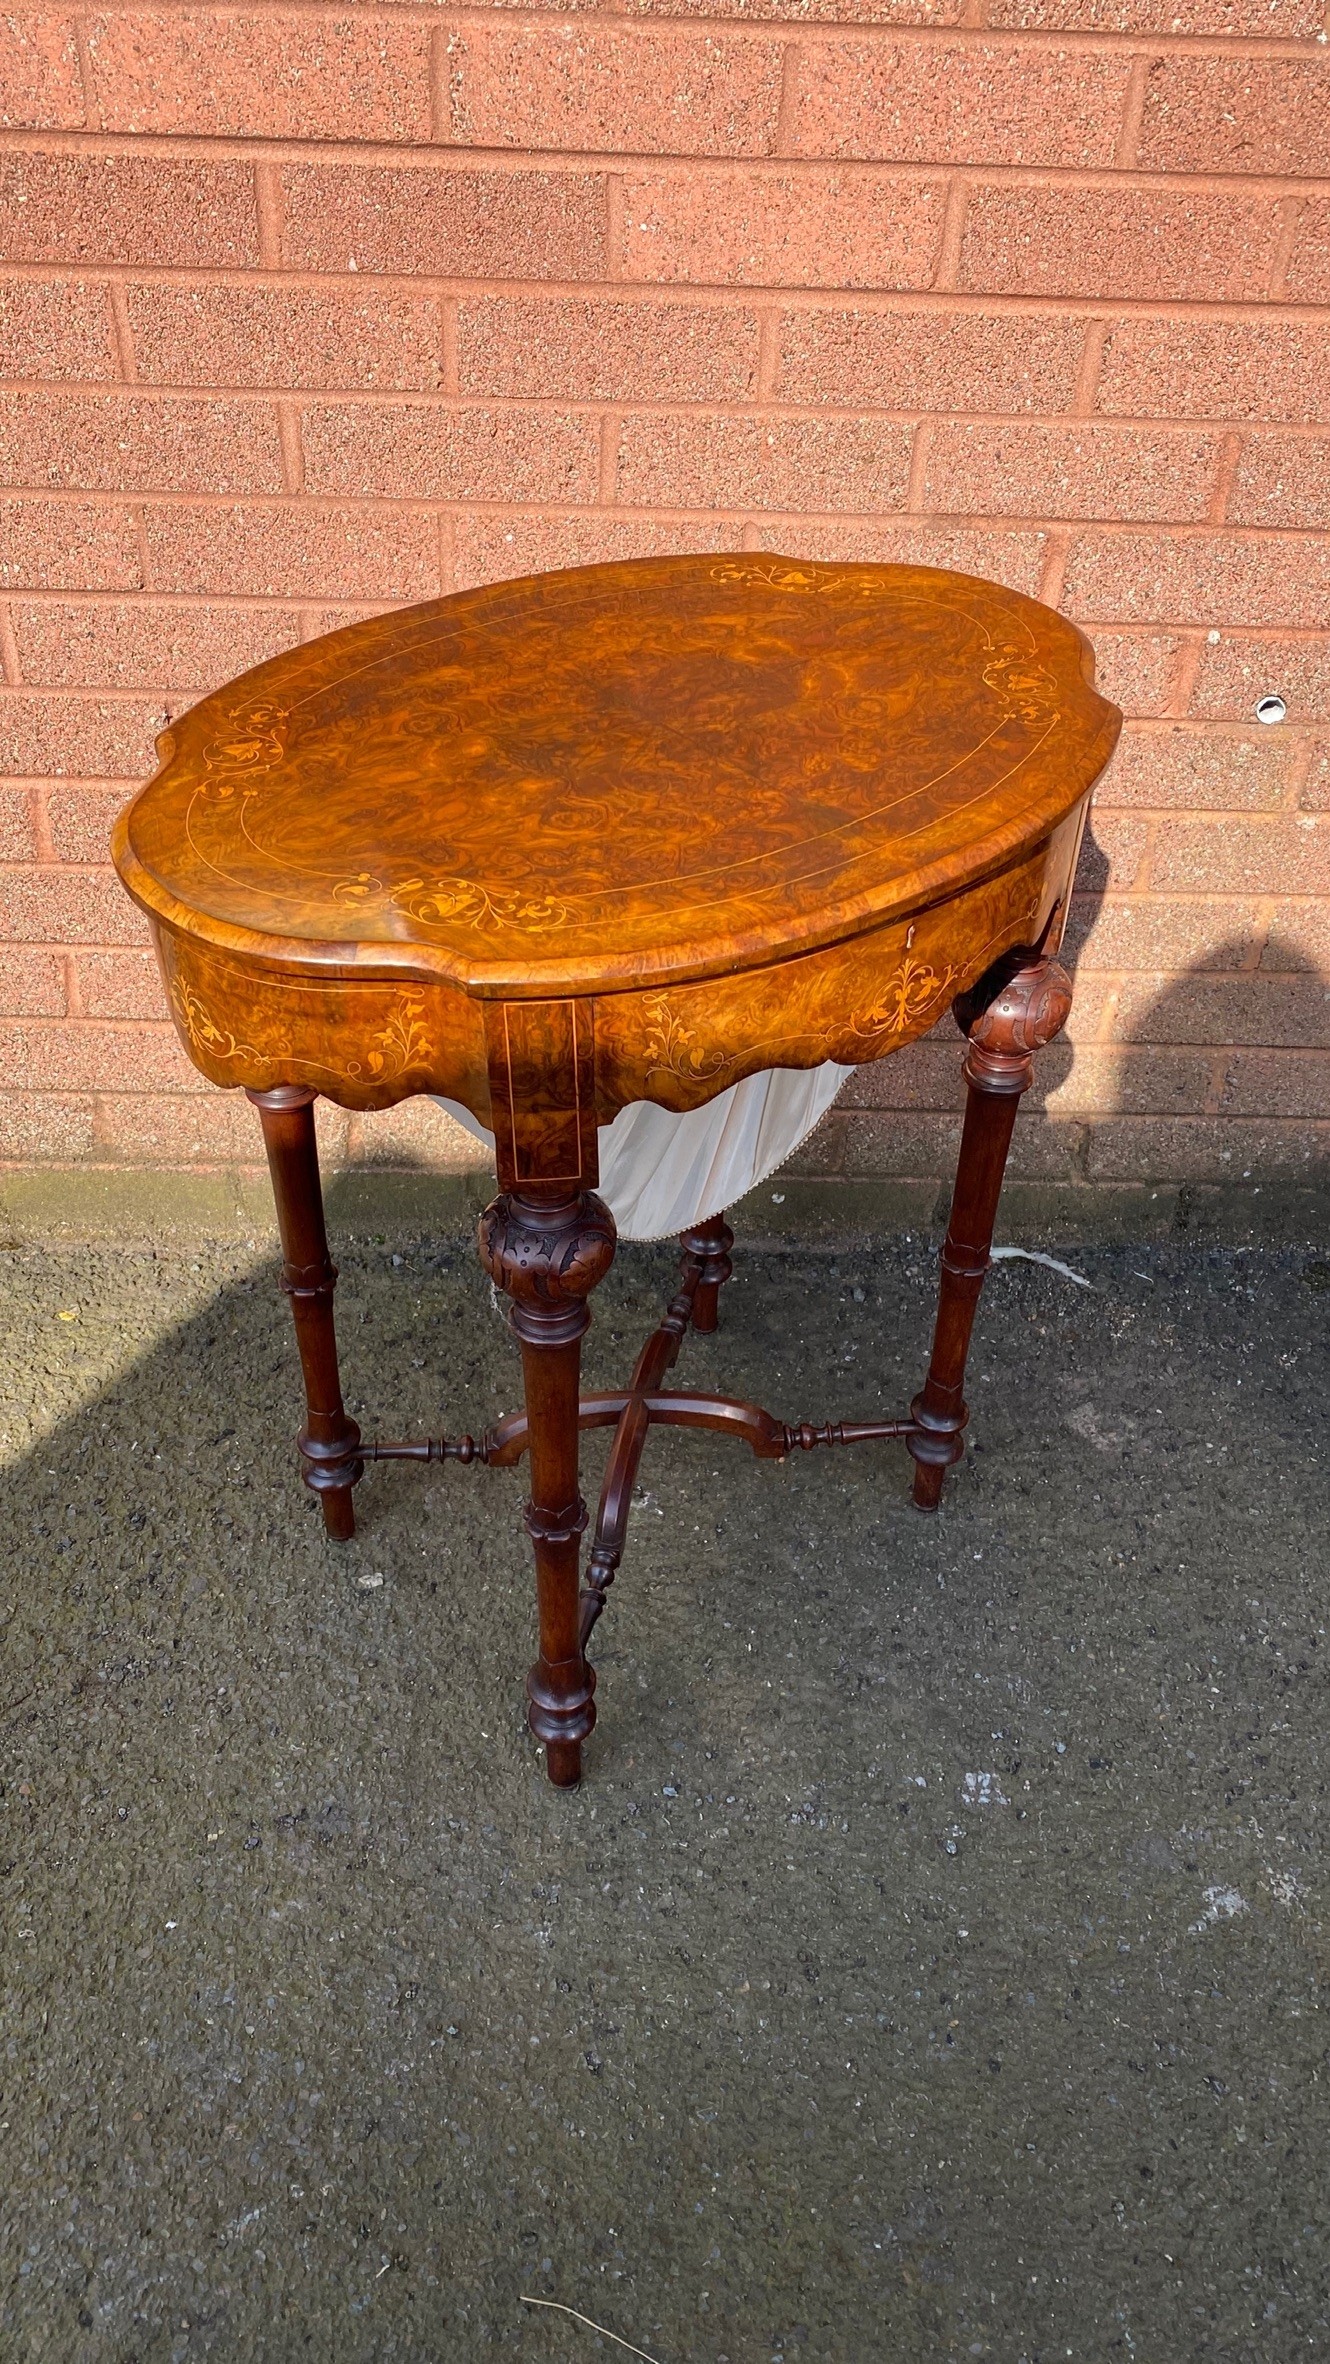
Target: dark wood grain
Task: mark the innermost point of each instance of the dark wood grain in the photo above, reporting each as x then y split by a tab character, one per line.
329	1443
625	833
546	1250
1027	1002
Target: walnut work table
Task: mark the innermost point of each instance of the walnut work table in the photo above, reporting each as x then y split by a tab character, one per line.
624	833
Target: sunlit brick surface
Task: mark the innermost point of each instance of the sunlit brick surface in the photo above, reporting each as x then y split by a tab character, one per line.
305	312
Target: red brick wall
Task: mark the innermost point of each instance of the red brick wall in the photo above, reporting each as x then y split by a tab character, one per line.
304	311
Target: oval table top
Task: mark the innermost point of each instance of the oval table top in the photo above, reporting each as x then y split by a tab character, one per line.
666	768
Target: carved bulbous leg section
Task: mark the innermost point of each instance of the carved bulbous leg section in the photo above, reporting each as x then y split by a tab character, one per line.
709	1245
1008	1017
330	1440
547	1250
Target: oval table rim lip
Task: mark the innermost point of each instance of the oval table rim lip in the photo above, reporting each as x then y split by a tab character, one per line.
515	975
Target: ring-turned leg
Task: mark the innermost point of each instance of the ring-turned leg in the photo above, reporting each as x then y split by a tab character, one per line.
546	1250
1004	1031
710	1243
330	1440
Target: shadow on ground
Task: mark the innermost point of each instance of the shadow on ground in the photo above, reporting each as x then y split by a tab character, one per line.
928	1966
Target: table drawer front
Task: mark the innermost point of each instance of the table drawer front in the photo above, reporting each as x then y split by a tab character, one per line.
852	1002
364	1042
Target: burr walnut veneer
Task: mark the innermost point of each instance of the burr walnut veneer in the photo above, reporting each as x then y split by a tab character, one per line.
627	832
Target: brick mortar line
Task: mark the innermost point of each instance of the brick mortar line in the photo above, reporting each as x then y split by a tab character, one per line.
1226	473
918	476
675	164
1157	900
1054	571
1133	112
1186	674
367	509
1306	749
719	295
766	373
951	242
614	233
1292	210
1145	858
40	817
140	527
439	76
122	331
292	602
449	338
268	213
289	432
607	460
791	59
80	782
767	407
162	1026
11	670
1086	389
447	541
1177	529
1116	978
1256	733
773	32
87	72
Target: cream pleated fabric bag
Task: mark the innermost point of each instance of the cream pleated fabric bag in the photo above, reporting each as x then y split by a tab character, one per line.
661	1172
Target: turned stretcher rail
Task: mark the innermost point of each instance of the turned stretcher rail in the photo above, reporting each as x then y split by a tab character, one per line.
503	1445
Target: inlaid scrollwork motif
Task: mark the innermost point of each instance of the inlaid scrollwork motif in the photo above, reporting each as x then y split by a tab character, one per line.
436	901
780	575
201	1030
915	989
910	994
253	739
673	1048
1028	693
461	898
402	1043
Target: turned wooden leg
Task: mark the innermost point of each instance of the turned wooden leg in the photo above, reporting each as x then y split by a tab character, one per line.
1005	1029
546	1249
329	1441
710	1243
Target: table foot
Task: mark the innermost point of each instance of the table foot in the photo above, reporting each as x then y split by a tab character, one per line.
708	1244
563	1763
1009	1015
329	1443
546	1248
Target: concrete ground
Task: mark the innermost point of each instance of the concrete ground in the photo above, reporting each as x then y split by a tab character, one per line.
930	1965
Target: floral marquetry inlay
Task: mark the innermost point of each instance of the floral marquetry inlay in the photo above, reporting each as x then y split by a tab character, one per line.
915	991
209	1040
669	1047
290	1036
623	776
251	738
